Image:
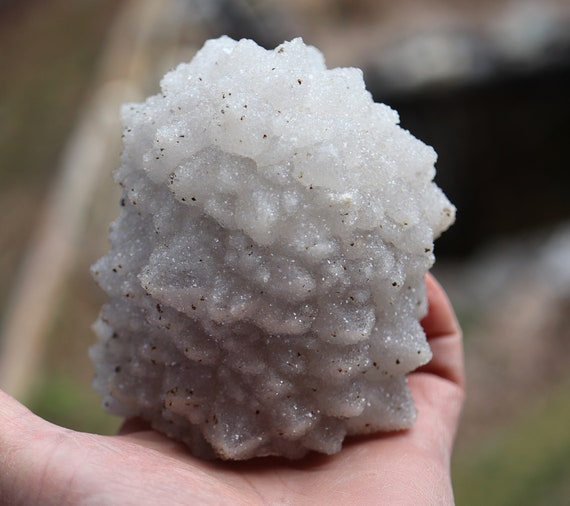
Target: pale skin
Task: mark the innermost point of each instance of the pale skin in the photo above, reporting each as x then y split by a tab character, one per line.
43	465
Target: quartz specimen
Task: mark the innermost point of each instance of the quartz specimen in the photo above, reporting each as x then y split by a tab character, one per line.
266	271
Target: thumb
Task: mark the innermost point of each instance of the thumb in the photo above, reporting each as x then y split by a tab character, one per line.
18	422
22	438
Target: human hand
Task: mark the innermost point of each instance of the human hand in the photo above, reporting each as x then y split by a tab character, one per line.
43	465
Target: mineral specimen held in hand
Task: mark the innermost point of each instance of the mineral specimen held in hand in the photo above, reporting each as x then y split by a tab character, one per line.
266	272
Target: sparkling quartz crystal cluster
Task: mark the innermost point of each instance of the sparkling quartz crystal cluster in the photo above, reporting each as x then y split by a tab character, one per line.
266	271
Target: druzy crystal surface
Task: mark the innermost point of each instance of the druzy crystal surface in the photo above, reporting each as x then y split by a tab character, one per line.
265	276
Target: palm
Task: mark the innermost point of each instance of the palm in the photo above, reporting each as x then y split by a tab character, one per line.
49	465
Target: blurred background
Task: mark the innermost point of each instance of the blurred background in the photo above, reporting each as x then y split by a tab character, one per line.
486	83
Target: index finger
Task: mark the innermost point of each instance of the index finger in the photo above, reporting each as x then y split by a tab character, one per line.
444	336
440	320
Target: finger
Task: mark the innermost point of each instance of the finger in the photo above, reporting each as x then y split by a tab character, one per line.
15	417
439	404
21	433
444	335
441	319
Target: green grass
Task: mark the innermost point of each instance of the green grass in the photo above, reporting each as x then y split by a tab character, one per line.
61	400
528	464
